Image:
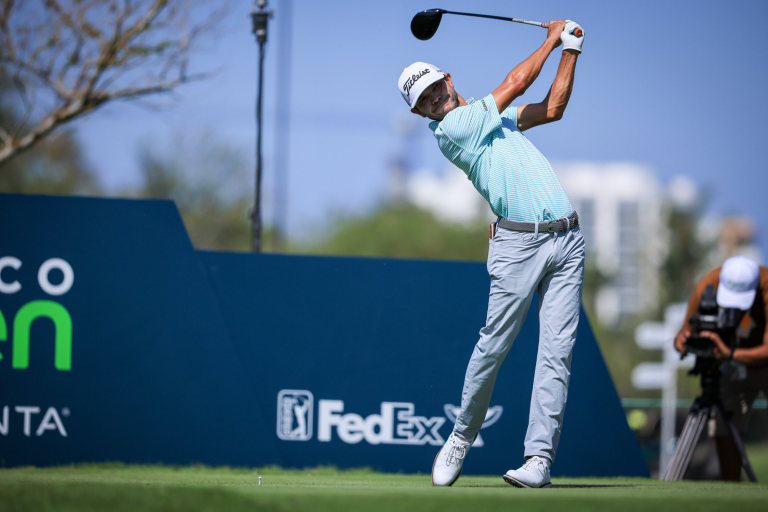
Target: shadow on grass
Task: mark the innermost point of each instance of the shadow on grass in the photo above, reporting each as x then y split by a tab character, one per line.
558	486
589	486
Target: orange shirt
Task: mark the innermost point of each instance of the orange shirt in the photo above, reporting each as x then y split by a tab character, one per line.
752	329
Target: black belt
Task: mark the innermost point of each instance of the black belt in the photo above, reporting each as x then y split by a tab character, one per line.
553	226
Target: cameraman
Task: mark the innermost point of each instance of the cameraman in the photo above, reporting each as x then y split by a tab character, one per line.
740	284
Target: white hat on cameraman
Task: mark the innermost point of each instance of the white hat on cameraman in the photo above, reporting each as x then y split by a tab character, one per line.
738	283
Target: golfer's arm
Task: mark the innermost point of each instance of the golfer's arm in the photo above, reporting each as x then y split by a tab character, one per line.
519	79
553	106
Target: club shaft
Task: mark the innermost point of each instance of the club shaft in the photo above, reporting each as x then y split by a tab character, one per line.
516	20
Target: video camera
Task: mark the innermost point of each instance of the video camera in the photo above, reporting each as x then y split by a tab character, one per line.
711	317
708	405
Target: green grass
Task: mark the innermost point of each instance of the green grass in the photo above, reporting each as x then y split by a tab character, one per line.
117	487
758	457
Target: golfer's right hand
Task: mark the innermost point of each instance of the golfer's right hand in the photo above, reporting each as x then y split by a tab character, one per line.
680	339
571	41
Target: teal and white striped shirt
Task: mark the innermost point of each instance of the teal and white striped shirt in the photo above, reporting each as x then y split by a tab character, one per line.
502	164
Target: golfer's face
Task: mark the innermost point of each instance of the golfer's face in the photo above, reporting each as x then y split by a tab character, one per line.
437	100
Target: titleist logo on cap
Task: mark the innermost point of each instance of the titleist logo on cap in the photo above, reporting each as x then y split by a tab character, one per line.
411	81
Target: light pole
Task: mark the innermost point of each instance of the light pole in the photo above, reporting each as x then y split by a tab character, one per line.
260	16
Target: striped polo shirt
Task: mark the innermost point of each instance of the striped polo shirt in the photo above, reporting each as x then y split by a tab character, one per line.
502	164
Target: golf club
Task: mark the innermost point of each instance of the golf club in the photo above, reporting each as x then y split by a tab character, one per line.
425	23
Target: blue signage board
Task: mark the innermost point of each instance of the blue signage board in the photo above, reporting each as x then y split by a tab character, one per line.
120	342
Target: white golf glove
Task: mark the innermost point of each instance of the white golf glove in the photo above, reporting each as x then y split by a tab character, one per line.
570	41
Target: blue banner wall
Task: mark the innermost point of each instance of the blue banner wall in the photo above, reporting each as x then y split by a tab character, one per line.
119	342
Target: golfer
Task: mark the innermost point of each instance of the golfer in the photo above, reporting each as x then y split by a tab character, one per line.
536	244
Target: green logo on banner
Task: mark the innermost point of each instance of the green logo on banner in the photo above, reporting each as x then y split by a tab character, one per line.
28	313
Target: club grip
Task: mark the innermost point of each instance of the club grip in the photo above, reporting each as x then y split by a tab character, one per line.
578	32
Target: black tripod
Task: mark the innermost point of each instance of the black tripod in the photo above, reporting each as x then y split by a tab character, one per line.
705	409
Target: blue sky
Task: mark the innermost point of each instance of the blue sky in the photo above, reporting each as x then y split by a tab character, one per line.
677	86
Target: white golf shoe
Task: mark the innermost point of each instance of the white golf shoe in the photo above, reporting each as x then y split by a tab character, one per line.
534	474
449	461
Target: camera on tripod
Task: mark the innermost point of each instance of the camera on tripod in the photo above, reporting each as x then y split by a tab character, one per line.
714	325
724	322
711	317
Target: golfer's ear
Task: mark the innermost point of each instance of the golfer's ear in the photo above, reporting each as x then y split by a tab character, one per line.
417	112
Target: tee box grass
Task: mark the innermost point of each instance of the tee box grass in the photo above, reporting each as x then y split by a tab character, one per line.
119	487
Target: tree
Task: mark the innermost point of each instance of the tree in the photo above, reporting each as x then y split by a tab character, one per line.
594	280
686	254
404	231
69	57
206	180
54	166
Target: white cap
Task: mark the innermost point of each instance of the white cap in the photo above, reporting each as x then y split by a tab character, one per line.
415	78
738	283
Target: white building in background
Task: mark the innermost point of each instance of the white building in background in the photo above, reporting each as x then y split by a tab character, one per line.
620	211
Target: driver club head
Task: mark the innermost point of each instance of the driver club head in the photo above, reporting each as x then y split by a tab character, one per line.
424	24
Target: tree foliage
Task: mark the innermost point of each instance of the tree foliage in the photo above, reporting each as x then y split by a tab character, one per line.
685	257
686	254
403	231
206	179
55	166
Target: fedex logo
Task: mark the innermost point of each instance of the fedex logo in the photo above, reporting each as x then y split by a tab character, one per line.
397	424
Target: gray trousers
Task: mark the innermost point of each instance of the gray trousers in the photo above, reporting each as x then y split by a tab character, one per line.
520	264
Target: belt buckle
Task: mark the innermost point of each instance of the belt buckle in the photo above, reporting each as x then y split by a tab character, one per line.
549	226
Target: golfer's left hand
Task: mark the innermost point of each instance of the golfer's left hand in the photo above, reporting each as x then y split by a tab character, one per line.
721	350
570	41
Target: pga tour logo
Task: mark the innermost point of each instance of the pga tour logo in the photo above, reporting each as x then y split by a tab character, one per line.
396	422
294	415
